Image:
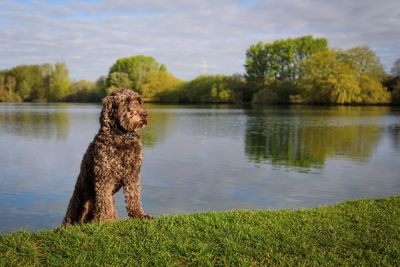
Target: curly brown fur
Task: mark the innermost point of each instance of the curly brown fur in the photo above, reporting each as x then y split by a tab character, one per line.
112	161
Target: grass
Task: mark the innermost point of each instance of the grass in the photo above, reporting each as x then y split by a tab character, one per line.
361	232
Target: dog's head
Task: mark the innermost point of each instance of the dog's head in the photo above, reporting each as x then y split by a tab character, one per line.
123	111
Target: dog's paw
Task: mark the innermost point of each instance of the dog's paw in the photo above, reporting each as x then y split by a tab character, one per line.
145	217
142	216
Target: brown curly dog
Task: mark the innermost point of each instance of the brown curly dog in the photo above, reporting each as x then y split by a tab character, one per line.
112	161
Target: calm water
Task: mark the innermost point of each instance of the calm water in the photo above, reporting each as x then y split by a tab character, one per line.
203	158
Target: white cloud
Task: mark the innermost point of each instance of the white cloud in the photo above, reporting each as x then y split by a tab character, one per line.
90	36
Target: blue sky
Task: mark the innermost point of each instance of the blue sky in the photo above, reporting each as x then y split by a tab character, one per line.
90	35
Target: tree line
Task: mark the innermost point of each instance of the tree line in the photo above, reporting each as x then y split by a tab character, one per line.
46	83
300	70
306	70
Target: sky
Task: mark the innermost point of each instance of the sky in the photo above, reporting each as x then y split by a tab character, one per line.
186	35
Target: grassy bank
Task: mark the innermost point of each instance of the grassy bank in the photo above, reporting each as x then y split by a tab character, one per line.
361	232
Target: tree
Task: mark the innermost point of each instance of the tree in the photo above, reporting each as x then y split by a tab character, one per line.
46	70
83	91
333	77
157	83
28	78
395	70
272	69
137	69
258	64
7	92
372	90
2	80
369	71
364	61
163	68
23	84
10	83
101	86
280	60
393	85
396	93
118	79
59	82
327	80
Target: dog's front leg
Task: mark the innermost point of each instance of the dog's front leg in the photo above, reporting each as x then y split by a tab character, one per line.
132	192
104	202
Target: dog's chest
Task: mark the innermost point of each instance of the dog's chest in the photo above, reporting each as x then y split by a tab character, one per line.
120	162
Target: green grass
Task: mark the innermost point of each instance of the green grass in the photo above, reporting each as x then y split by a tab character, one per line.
361	232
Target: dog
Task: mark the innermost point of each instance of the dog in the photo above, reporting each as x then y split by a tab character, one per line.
113	160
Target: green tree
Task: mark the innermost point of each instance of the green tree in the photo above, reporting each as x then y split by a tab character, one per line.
7	94
395	70
364	61
280	59
258	64
22	80
118	79
136	67
327	80
46	70
3	92
396	93
101	86
343	77
10	83
60	82
2	80
82	91
28	78
157	83
372	90
393	82
272	69
370	73
163	68
393	85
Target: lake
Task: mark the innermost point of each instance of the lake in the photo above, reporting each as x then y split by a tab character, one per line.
202	158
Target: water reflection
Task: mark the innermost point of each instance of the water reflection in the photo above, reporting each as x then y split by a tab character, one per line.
158	123
305	137
36	122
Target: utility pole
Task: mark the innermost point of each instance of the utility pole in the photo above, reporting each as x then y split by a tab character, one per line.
204	66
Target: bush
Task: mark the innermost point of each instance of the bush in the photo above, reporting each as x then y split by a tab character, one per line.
10	97
277	92
206	89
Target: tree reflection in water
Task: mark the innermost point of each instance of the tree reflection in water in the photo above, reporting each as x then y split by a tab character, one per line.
158	122
304	137
36	122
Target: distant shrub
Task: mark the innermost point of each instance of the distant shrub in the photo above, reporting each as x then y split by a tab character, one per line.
277	92
10	97
206	89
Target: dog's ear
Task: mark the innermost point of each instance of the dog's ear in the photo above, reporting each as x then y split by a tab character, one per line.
106	112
